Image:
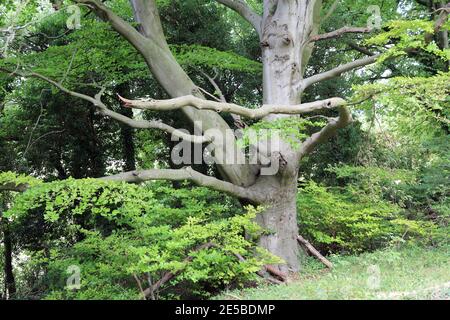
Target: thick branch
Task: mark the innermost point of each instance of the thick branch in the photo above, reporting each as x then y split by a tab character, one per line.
440	21
241	7
265	110
329	130
146	14
336	72
101	107
184	174
339	32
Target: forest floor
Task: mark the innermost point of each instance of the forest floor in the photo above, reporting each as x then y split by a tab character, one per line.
406	273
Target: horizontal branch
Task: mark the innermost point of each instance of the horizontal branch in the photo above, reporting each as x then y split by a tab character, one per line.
339	32
344	119
336	72
263	111
103	109
186	173
139	176
241	7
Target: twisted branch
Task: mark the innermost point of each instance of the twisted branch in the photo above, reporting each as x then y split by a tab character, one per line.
186	173
344	119
201	104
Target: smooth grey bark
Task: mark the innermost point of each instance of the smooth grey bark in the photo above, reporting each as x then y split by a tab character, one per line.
286	29
286	49
279	219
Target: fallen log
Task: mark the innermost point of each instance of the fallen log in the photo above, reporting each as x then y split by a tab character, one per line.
276	273
314	252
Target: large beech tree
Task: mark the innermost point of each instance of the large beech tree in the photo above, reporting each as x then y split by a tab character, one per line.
287	30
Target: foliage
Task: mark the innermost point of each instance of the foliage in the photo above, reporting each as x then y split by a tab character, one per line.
112	261
424	99
351	221
409	34
386	183
115	231
203	56
291	130
18	179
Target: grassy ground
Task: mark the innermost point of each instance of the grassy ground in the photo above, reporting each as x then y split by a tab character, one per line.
407	273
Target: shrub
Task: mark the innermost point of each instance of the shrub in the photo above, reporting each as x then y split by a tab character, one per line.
123	237
350	221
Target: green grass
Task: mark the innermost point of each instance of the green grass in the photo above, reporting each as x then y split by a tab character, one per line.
407	273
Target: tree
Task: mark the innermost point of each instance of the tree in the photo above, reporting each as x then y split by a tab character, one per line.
287	31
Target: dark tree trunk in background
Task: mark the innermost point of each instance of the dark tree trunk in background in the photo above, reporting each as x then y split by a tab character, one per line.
127	133
128	147
10	283
95	150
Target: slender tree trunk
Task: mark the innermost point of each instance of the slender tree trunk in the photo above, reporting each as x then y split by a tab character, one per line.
127	133
128	147
10	283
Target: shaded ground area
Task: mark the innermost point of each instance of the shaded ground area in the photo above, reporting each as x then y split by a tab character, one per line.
406	273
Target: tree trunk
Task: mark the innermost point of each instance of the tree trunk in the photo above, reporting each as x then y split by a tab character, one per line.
128	148
280	222
10	283
285	53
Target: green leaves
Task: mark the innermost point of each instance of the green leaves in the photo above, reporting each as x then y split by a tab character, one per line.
114	231
18	179
196	55
415	107
292	130
350	220
404	35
